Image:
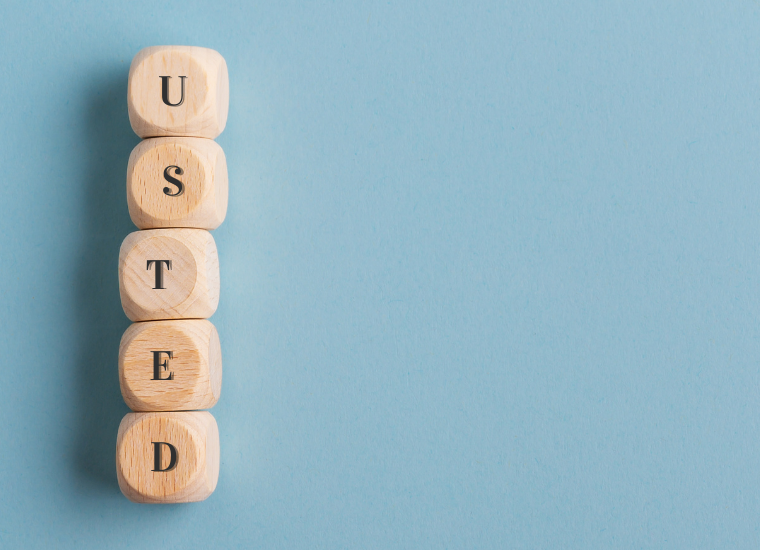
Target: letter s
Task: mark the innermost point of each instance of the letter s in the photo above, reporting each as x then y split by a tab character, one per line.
174	181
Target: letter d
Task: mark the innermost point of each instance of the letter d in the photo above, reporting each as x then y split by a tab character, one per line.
157	456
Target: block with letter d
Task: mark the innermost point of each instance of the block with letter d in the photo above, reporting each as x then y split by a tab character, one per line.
167	457
169	274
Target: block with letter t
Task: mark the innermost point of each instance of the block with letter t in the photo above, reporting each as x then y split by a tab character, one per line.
178	91
169	274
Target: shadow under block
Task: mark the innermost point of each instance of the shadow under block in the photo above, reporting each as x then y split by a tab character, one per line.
177	182
170	365
178	91
167	457
169	274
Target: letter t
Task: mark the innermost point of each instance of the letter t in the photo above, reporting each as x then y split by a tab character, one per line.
160	271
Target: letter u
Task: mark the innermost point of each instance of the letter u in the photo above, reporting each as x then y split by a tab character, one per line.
165	91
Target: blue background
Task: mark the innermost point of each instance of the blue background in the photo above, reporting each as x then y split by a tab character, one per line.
489	275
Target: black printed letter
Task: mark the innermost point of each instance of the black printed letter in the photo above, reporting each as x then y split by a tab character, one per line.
174	181
157	456
160	271
157	364
165	91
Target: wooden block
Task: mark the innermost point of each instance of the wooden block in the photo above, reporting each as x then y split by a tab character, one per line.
169	274
177	182
170	365
178	91
166	457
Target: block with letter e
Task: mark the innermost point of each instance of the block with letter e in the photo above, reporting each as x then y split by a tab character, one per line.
167	457
170	365
169	274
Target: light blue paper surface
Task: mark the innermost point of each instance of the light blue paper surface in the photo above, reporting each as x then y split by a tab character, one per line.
490	275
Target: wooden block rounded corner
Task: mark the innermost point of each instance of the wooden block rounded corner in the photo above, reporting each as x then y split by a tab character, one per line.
177	182
169	274
170	365
167	457
178	91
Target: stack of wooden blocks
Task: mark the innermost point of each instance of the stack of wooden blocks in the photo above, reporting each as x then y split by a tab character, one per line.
170	360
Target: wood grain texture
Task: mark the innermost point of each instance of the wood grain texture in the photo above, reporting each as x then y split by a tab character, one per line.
195	436
190	288
202	112
203	201
191	378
